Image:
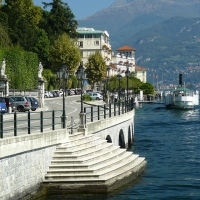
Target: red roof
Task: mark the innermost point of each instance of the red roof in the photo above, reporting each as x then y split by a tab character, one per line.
138	68
113	66
125	48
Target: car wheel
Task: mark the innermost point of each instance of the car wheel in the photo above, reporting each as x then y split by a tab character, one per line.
97	98
33	109
20	109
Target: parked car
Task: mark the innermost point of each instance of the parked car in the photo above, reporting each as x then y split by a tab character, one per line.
3	108
70	92
56	93
22	103
51	94
34	103
9	103
95	96
46	94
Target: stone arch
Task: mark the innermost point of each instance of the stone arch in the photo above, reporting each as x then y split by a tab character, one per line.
129	137
121	139
108	138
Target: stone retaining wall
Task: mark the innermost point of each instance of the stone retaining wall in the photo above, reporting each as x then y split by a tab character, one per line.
24	161
113	126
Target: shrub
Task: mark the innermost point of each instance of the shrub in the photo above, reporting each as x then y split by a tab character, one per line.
87	97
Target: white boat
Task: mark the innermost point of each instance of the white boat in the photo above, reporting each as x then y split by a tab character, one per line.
182	98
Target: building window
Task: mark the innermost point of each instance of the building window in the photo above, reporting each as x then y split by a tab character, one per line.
96	43
89	43
96	35
88	53
80	44
81	36
88	36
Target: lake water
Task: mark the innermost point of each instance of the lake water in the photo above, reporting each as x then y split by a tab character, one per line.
170	142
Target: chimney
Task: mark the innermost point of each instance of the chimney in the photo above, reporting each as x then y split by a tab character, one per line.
180	79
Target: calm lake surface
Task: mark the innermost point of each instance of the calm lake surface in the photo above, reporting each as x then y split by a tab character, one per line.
170	142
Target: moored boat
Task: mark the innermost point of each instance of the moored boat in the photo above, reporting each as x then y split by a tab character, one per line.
182	97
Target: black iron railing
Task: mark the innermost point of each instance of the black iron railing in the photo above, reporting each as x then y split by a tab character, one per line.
17	123
99	112
14	124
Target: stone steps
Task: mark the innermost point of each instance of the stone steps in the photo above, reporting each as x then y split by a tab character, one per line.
94	169
95	164
105	175
78	149
89	160
102	156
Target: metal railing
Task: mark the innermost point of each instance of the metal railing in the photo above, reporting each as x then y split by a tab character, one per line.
99	112
17	123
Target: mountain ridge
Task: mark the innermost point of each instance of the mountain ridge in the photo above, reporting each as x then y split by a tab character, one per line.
128	19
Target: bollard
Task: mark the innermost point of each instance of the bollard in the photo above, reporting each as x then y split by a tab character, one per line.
62	122
9	109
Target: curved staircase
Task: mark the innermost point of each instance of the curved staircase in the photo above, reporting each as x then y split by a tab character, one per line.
90	164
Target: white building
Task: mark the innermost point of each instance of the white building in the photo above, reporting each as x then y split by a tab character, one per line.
141	73
124	58
90	41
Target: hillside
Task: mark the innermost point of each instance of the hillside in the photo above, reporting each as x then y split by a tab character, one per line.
126	17
170	48
164	33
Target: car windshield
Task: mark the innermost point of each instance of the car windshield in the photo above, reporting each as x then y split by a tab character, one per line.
33	99
2	101
27	99
10	99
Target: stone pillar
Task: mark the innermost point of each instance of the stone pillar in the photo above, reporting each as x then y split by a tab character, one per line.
41	92
81	122
4	88
3	79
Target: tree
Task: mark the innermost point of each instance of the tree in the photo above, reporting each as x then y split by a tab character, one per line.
95	68
49	78
42	46
4	38
23	19
60	20
147	88
65	51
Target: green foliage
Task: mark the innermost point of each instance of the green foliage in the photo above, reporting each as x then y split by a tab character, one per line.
50	79
60	20
147	88
21	68
133	84
95	68
23	19
74	81
65	51
41	46
87	97
4	38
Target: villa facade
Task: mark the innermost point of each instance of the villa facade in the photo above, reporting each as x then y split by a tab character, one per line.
91	40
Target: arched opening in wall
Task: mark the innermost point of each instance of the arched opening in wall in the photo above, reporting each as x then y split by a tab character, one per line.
121	139
129	137
108	138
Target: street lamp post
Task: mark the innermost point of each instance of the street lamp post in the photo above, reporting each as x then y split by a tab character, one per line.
127	73
119	77
63	74
5	82
81	76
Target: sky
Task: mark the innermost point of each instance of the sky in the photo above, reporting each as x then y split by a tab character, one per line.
81	8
